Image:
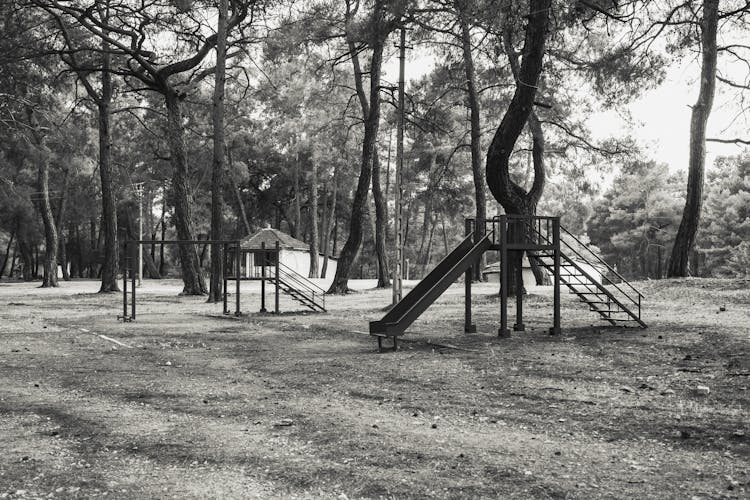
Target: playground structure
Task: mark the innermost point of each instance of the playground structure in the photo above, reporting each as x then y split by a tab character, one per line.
292	253
269	268
270	271
546	243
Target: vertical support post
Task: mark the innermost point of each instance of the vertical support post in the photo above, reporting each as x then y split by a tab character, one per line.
237	276
278	256
132	305
138	187
518	326
140	238
398	226
639	306
262	277
555	330
125	283
224	279
468	326
503	228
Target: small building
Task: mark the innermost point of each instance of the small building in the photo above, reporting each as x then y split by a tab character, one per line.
293	254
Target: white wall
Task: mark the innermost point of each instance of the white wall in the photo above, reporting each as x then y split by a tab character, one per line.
299	261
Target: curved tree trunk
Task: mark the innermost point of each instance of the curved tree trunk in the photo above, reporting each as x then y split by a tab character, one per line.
513	198
685	239
217	173
194	284
540	176
381	223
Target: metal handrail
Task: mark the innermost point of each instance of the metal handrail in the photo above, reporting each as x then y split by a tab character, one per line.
301	279
299	287
303	286
631	299
293	280
602	261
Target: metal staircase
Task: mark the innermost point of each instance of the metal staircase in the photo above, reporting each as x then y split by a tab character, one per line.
617	302
300	288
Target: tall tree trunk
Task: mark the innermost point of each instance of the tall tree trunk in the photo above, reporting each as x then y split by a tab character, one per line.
192	278
476	131
432	181
109	204
235	188
62	250
148	232
217	174
93	241
685	239
513	198
325	223
535	193
314	242
445	235
163	229
50	231
659	263
407	221
371	114
371	219
297	203
75	258
27	257
428	252
381	224
7	253
329	226
13	262
35	274
426	220
335	233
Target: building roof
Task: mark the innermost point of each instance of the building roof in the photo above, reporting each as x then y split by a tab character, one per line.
270	236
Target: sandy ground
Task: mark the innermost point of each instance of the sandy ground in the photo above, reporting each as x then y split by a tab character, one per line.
187	403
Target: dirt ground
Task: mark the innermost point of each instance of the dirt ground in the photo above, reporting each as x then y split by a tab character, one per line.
185	403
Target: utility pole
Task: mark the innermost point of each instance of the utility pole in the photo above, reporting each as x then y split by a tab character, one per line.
138	186
398	226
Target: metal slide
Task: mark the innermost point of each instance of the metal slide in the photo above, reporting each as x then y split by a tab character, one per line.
431	287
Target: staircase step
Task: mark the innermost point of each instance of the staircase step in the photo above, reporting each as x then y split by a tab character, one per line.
594	294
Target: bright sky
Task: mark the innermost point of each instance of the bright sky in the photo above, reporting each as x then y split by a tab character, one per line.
661	116
662	120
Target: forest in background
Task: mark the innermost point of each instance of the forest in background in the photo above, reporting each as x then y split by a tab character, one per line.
236	114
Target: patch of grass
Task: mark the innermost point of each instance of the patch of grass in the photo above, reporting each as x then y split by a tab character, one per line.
302	405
